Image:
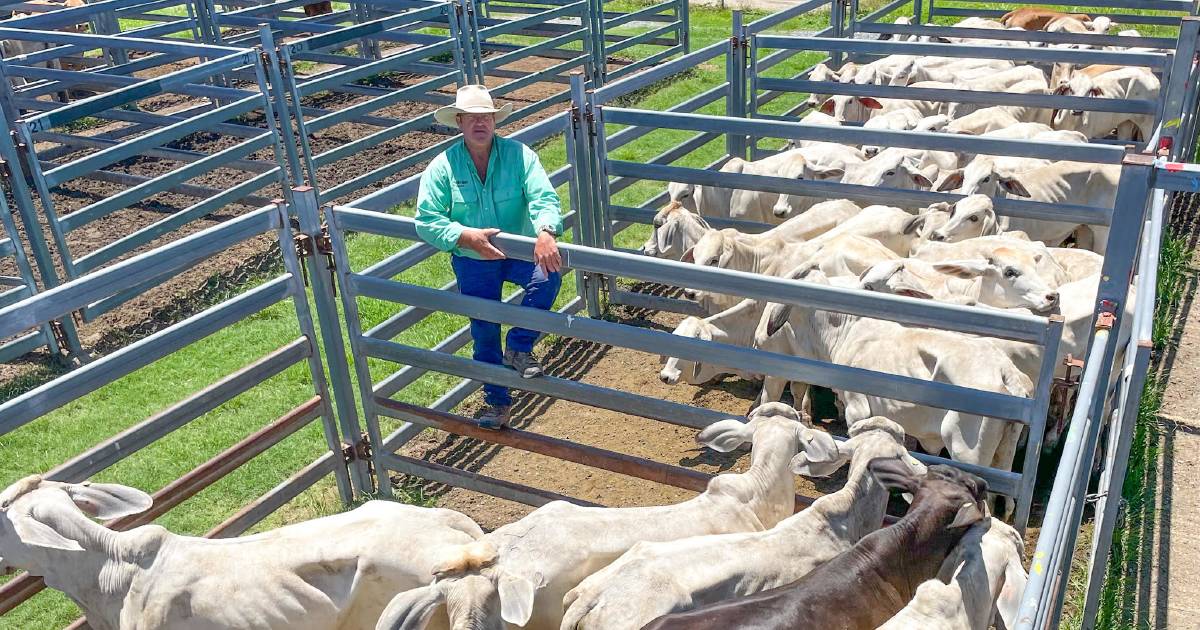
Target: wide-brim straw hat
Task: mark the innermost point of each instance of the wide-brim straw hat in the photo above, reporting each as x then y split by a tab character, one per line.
471	99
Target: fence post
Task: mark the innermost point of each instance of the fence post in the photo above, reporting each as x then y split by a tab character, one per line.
752	71
454	20
918	10
735	97
595	10
471	34
851	17
275	101
1175	94
319	259
837	19
24	268
600	192
685	25
581	187
291	263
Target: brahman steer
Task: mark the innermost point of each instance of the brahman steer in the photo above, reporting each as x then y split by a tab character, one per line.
923	354
675	230
520	572
653	579
866	585
1127	83
1036	18
336	572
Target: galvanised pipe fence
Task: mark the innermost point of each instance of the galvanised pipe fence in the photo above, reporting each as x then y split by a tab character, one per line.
18	283
342	437
229	139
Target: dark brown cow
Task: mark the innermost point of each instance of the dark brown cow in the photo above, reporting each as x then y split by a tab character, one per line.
868	584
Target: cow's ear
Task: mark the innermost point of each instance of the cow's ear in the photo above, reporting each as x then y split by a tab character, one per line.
516	598
827	107
31	531
412	609
828	172
688	256
1094	92
107	500
869	102
963	268
1013	187
894	474
914	224
952	181
968	514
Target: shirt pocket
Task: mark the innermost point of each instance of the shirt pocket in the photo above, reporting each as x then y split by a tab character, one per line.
464	205
510	203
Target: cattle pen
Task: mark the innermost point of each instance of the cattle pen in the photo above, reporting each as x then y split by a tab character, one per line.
267	82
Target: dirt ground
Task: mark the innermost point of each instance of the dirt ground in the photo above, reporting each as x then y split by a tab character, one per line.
618	368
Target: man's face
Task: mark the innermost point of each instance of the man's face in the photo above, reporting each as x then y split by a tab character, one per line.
477	128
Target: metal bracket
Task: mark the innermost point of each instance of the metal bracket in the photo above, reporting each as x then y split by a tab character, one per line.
1094	497
361	449
319	244
60	336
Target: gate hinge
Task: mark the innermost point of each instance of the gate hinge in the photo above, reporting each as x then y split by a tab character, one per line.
361	449
60	335
1094	497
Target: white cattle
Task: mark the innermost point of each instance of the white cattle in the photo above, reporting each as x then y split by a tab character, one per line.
707	201
1125	83
1078	263
922	354
520	572
1023	113
982	121
822	72
653	579
896	120
675	230
1056	182
843	254
984	246
1022	131
982	579
818	161
888	225
336	572
1004	279
812	118
892	168
734	325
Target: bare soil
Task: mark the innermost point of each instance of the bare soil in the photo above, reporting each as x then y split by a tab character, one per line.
597	364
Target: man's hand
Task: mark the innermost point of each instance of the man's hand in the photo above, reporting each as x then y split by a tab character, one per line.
545	253
478	240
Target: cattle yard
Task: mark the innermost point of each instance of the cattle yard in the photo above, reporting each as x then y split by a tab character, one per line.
173	138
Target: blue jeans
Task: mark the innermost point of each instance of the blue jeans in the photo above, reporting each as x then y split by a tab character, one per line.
485	279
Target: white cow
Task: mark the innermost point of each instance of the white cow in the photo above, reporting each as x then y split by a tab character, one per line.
1056	182
982	121
817	161
520	572
336	572
653	579
923	354
892	168
707	201
675	230
1125	83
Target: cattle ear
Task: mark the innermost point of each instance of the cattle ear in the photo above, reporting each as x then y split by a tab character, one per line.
689	256
952	181
920	178
894	474
913	291
35	533
869	102
962	268
1008	603
516	598
827	107
725	435
1014	187
411	609
777	315
1094	92
820	454
968	514
914	224
107	501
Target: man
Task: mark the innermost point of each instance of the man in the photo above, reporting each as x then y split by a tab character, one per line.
481	186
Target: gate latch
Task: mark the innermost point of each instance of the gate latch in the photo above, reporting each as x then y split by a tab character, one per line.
320	244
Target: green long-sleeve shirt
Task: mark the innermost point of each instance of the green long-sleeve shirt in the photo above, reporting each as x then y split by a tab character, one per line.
517	196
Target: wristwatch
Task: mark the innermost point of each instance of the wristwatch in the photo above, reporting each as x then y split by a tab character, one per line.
549	230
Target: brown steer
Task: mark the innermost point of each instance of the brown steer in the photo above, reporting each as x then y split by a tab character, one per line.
1035	19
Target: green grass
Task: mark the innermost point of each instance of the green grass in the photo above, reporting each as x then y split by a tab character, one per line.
85	422
1130	550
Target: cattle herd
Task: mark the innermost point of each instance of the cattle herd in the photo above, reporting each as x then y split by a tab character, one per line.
735	556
